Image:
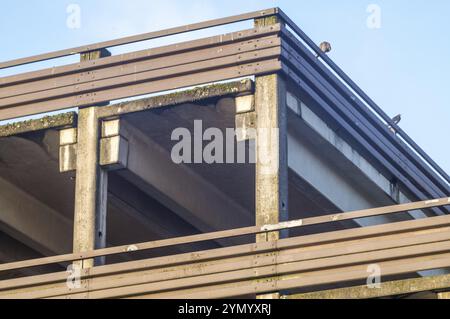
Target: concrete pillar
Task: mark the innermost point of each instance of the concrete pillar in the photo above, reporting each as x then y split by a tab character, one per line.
91	187
271	148
271	143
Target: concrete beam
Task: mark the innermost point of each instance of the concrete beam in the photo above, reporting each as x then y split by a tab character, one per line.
12	250
32	222
45	123
178	187
309	128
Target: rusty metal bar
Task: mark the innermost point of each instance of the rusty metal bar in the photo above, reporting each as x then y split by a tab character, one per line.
429	222
141	37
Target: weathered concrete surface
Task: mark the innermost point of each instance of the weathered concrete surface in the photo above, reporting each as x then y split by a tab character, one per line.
32	222
182	190
47	122
90	188
180	97
271	149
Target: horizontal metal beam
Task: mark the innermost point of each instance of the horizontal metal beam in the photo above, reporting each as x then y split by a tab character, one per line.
141	37
429	222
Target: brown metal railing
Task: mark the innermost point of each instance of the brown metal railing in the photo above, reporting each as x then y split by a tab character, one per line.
245	53
141	37
253	230
340	256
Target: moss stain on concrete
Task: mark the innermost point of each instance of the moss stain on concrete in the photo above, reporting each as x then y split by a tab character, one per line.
53	121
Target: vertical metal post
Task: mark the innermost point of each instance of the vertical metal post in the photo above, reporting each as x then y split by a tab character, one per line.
271	148
91	183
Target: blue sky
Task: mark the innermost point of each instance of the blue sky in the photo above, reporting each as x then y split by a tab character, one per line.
403	65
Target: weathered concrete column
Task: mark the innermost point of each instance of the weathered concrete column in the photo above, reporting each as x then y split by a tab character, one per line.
91	183
90	189
271	148
271	143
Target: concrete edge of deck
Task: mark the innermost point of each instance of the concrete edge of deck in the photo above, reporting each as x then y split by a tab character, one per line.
34	125
69	119
178	97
